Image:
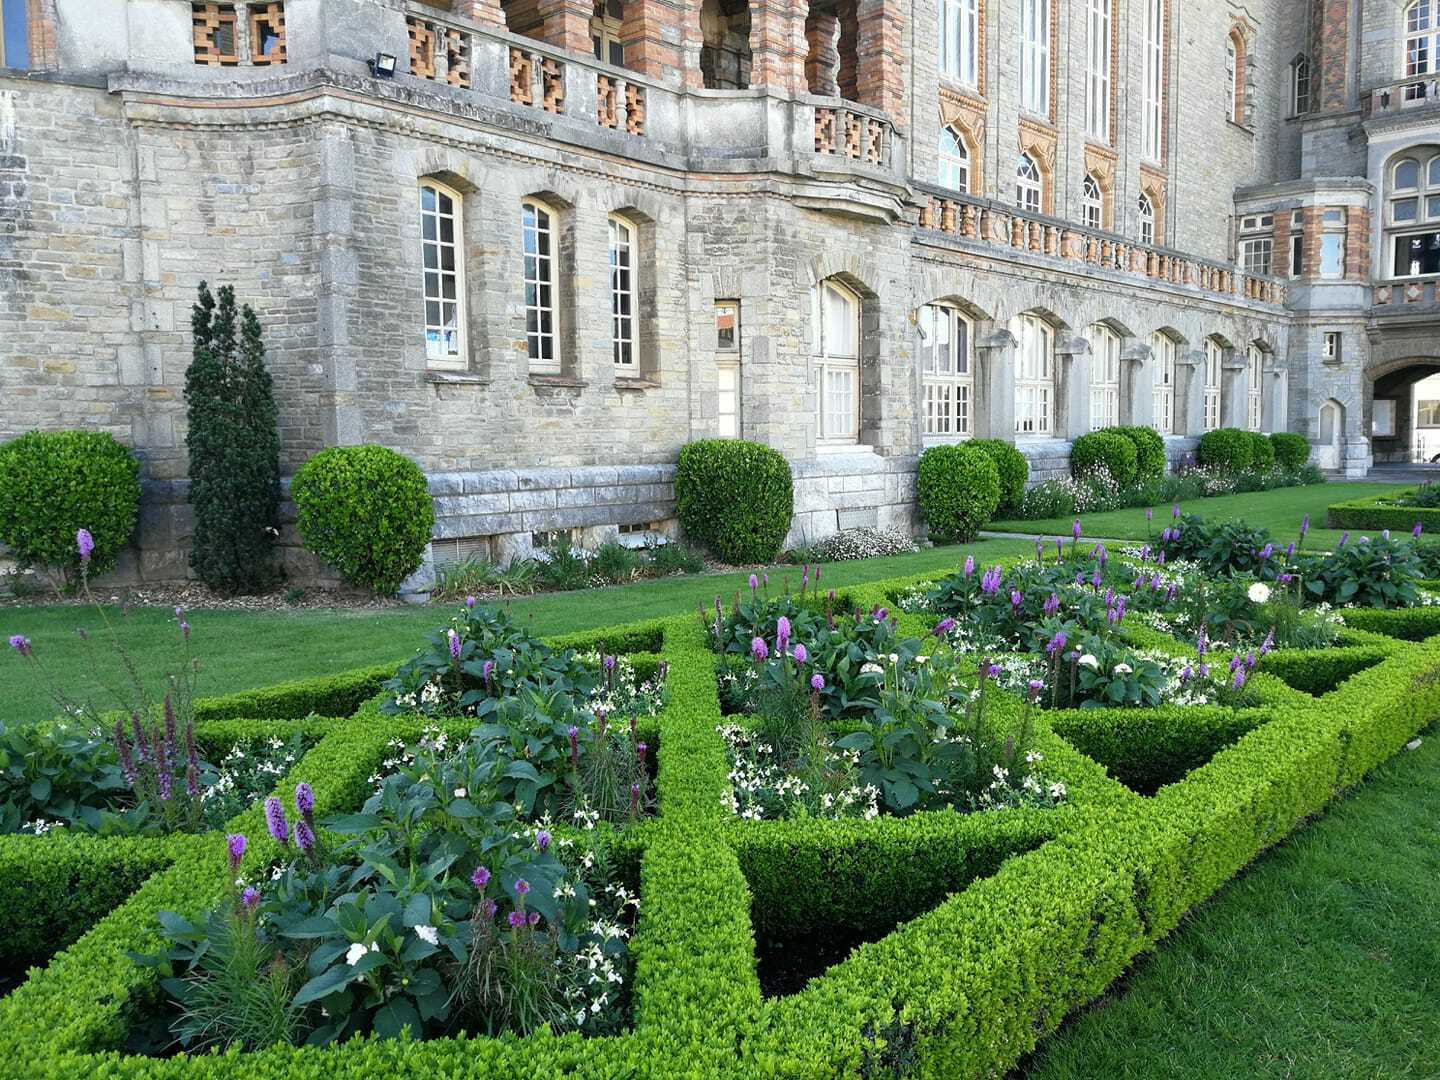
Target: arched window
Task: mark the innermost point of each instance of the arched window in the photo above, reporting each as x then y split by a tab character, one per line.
1214	360
1098	60
1104	377
1235	76
444	275
1300	86
1146	216
1092	203
1422	36
622	292
947	371
954	161
1029	188
1254	388
837	365
1034	376
605	32
960	41
537	234
1035	56
1162	353
1412	214
1153	103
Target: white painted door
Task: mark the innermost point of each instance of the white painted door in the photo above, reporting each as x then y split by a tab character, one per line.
1327	452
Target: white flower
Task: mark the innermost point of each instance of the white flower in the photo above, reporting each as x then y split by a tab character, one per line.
356	952
1088	660
460	793
1123	669
427	934
1259	593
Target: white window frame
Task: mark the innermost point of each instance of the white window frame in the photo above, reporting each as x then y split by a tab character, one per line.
1254	388
1214	376
1332	346
1104	377
1256	253
947	373
1297	243
1029	185
605	27
1034	376
960	41
1153	89
1035	16
837	420
1332	244
1099	73
1232	75
623	258
1421	21
953	159
541	280
1145	214
728	420
444	333
1092	203
1424	197
1302	87
1163	352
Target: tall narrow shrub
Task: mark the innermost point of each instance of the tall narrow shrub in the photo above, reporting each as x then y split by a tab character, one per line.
234	448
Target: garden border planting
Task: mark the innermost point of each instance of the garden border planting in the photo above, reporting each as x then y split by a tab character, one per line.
1380	512
1007	920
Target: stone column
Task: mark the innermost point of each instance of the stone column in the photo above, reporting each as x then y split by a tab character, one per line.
486	12
1137	386
777	45
566	24
1072	388
822	61
1233	388
1275	411
995	384
651	32
880	53
1190	392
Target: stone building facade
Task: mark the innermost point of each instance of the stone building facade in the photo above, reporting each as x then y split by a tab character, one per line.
538	245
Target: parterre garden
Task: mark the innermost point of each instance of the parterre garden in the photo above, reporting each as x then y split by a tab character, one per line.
895	829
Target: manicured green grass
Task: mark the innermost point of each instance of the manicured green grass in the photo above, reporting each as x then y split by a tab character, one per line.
241	650
1279	511
1322	961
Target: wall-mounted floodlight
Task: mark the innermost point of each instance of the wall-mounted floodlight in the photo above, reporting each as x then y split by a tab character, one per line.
382	66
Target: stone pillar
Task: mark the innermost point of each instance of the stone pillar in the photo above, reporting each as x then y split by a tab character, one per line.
566	24
651	32
777	45
822	61
486	12
1190	392
1275	405
880	52
1072	388
1137	386
995	385
1233	389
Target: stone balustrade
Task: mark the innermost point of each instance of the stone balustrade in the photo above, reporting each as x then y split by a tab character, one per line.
1413	93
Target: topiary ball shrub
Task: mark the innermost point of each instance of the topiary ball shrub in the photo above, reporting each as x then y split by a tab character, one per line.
1104	449
958	488
1262	452
367	512
55	483
1226	450
1014	472
1149	451
1292	451
735	497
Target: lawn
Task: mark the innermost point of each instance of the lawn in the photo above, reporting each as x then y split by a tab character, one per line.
1321	961
240	650
1279	511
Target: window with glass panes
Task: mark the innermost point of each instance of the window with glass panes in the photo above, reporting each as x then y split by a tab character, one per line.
837	365
1153	79
1332	242
1214	371
622	292
960	41
1422	29
947	371
1029	194
1098	74
537	234
1035	56
605	23
1092	203
1254	388
1162	354
954	162
1104	377
1413	214
1300	86
1145	211
443	280
1034	376
1257	242
727	368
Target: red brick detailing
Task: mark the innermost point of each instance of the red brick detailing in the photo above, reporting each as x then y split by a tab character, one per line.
1332	42
422	48
1100	162
880	53
486	12
1280	245
1039	142
651	34
848	70
822	61
1153	183
1357	244
965	116
44	41
567	24
777	45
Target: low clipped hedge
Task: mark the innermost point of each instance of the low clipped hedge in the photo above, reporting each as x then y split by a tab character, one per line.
958	490
1226	450
1377	512
735	497
1013	470
1105	449
1292	451
1003	922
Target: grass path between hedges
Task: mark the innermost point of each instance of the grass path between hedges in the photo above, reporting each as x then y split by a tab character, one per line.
1279	511
241	650
1322	960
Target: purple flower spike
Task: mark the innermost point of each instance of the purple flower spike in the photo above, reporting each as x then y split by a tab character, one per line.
800	654
1344	539
454	640
85	544
235	849
1175	512
1304	526
1149	513
759	650
533	918
640	750
1204	671
542	841
1416	531
470	603
21	644
817	681
992	671
517	919
1096	579
304	837
1239	680
1290	550
609	663
250	898
1035	687
1075	529
1060	546
481	877
1016	598
1186	674
522	887
304	799
944	626
275	820
969	565
754	583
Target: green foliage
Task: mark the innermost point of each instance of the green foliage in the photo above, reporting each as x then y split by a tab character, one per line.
675	558
1222	547
1368	573
734	497
234	448
1014	471
1383	512
367	512
1226	450
1262	452
1108	450
52	484
1292	451
958	490
1149	451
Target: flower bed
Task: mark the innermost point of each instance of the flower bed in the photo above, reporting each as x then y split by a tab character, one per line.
973	934
1399	511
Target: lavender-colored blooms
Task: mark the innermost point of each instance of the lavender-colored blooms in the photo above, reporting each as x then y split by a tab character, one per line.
1266	551
542	840
1250	661
1344	539
1186	674
759	650
1039	548
1235	662
1155	582
1416	531
1149	513
640	750
1096	579
1035	687
533	918
754	583
1080	577
1239	680
1204	671
944	626
1304	526
1202	642
1268	644
1160	559
275	820
1175	512
1290	550
304	837
1052	605
522	887
487	669
85	544
481	877
192	781
1102	555
488	909
235	845
304	800
764	579
250	898
20	643
880	614
992	671
517	919
609	663
1056	643
185	630
1170	594
800	654
470	603
1016	598
817	681
1075	529
969	565
454	644
165	780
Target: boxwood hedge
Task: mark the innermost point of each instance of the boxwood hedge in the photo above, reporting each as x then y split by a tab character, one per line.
1379	512
1002	922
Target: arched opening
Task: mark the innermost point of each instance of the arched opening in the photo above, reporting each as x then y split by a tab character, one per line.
1330	433
725	55
832	33
953	170
1405	413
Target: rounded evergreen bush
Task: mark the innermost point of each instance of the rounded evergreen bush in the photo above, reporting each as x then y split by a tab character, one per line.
1013	469
55	483
1149	451
958	489
367	512
1292	451
1104	449
1262	452
1227	450
735	497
